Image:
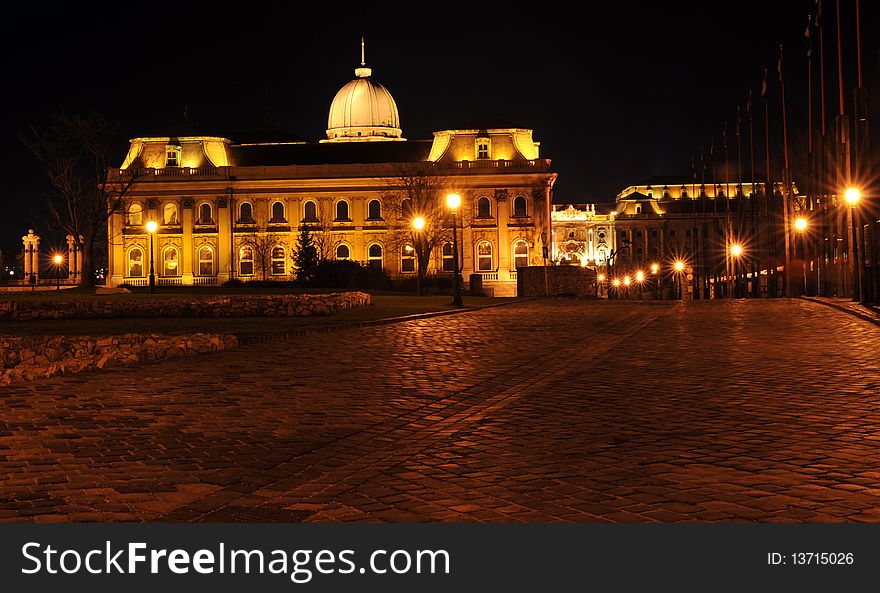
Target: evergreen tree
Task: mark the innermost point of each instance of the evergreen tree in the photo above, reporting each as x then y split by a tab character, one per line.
305	256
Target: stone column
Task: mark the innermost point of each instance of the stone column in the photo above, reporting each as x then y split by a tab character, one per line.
502	219
187	256
31	257
224	240
74	259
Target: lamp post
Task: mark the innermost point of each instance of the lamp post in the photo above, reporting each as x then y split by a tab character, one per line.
655	269
418	224
853	195
151	229
800	225
453	201
736	250
678	267
58	259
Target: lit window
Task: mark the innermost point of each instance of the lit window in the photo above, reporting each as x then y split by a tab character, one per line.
172	156
135	215
343	252
136	262
310	212
483	148
278	212
520	254
205	214
375	210
206	261
519	207
245	212
375	257
279	261
407	259
246	261
169	214
169	262
342	210
448	255
484	209
484	257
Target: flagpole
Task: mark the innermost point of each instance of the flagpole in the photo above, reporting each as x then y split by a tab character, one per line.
844	167
768	194
753	198
786	181
731	263
829	233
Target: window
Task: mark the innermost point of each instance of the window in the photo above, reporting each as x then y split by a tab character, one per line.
172	156
406	209
278	212
519	207
169	214
245	212
672	233
205	214
343	252
246	261
136	262
279	260
135	215
484	257
638	208
447	256
374	210
520	254
638	234
310	212
206	261
407	259
169	262
342	210
484	210
375	256
483	145
653	232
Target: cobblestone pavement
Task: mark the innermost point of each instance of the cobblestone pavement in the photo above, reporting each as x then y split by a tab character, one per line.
555	410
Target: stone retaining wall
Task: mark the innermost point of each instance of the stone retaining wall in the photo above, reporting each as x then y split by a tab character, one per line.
282	305
559	280
32	357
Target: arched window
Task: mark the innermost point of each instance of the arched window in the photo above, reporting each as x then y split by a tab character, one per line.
170	262
205	214
447	254
342	210
169	214
484	209
519	207
484	257
135	214
406	209
375	256
407	259
245	212
374	210
206	261
343	251
279	260
520	255
246	261
278	212
310	212
136	263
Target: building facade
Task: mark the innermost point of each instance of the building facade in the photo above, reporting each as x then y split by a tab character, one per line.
231	206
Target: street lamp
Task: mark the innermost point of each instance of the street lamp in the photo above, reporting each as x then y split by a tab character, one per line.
453	201
418	223
151	229
853	195
800	225
736	250
58	259
655	268
678	266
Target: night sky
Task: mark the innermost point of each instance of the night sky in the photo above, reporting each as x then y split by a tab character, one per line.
617	96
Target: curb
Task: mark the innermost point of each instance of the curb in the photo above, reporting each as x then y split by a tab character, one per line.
248	339
848	310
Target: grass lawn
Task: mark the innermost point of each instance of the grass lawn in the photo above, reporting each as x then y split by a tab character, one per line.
383	307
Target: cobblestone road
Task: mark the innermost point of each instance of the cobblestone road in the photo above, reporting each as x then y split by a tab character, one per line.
538	411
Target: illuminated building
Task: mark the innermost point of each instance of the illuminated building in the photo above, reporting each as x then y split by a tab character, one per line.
213	193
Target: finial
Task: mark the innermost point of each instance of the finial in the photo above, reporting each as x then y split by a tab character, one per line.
363	59
363	71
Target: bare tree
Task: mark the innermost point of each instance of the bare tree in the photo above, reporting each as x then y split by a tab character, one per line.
323	236
262	245
416	190
77	153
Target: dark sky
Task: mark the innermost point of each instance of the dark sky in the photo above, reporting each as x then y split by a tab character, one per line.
615	94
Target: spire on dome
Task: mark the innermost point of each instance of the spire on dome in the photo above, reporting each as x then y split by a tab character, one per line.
363	71
363	60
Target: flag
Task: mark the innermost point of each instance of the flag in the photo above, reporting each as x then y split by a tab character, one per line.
764	84
779	65
724	136
808	34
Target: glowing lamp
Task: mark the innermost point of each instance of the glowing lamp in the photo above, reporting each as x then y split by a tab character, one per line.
418	223
800	224
601	278
627	280
58	259
616	282
852	195
152	226
736	250
679	266
640	276
453	201
655	268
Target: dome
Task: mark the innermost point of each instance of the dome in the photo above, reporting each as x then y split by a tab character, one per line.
362	111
